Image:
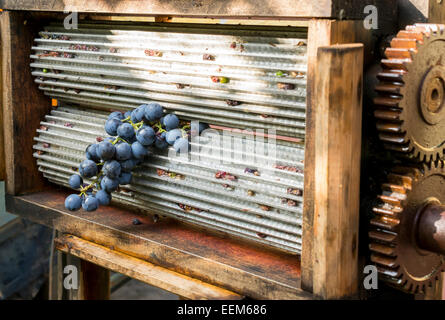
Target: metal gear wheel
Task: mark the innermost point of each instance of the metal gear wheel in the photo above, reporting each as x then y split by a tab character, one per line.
410	104
394	232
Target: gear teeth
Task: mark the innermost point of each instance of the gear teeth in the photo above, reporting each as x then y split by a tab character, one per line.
389	102
390	115
381	236
384	261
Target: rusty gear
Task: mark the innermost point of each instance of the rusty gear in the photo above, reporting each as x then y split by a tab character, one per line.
393	231
410	108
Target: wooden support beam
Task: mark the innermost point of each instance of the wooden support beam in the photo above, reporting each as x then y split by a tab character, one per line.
98	260
94	281
321	33
337	170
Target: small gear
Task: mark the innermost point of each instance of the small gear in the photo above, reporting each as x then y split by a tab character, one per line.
393	231
409	106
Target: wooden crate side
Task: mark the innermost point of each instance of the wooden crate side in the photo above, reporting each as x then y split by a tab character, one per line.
23	104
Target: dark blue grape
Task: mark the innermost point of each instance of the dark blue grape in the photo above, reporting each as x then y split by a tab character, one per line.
111	126
125	131
75	181
125	178
88	168
90	203
153	111
109	185
138	150
127	114
73	202
137	115
103	197
173	135
181	145
123	151
171	121
146	136
116	115
160	142
91	153
112	169
106	150
127	165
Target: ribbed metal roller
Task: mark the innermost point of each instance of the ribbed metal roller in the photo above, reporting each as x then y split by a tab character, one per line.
101	67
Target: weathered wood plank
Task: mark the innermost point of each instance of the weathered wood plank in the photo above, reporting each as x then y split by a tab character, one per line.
345	9
337	170
2	139
235	265
137	269
321	33
94	281
24	105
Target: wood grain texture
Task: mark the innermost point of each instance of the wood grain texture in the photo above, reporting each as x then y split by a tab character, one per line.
321	33
216	259
337	170
137	269
94	281
24	105
344	9
2	138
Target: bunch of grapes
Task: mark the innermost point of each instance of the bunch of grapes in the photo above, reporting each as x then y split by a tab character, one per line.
132	137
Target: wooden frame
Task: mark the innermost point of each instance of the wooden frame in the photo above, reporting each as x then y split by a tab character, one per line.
276	9
241	267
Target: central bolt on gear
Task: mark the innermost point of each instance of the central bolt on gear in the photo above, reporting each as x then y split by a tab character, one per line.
411	93
394	232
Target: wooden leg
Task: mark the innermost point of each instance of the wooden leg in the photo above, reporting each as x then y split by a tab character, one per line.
94	282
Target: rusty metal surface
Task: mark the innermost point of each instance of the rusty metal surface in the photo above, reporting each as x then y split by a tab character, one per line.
393	234
229	263
431	228
411	93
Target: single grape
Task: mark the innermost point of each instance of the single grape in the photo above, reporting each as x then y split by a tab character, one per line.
127	114
123	151
171	121
125	131
108	184
103	197
73	202
90	203
146	136
106	150
173	135
125	178
153	111
116	115
127	165
88	168
160	142
111	126
75	181
91	153
137	114
112	169
181	145
138	150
